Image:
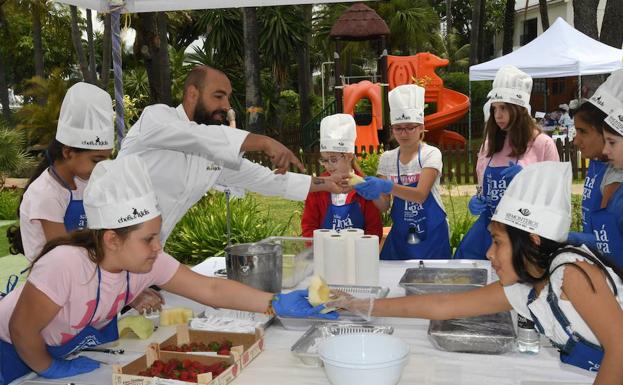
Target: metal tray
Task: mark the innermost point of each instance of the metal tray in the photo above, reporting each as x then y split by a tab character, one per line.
489	334
292	323
422	280
306	347
263	320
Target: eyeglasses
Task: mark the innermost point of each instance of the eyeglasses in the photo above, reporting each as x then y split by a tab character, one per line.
404	129
332	160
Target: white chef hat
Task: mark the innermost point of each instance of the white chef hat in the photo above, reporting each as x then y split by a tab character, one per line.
511	85
338	133
119	194
406	104
609	95
538	200
564	107
86	118
615	120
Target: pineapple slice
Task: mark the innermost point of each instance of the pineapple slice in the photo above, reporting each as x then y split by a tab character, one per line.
319	293
355	179
175	316
139	325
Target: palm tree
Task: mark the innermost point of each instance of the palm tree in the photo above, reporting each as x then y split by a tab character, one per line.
474	37
544	15
611	26
253	96
509	27
37	12
585	17
76	38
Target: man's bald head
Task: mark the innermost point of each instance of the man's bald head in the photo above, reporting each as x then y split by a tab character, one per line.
206	95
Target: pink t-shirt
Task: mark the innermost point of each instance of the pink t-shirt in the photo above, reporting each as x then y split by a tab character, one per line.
542	148
73	286
45	199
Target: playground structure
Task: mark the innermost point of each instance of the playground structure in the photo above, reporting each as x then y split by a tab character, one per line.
359	22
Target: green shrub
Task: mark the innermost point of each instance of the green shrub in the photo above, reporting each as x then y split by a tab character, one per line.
9	202
576	212
460	219
369	162
13	157
202	232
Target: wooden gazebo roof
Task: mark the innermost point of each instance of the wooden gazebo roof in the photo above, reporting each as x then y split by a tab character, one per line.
359	22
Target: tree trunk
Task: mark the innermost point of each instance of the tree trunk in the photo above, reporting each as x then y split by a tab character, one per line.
163	55
509	27
585	17
448	17
544	15
91	47
107	54
253	96
36	39
147	44
481	33
611	26
474	37
4	92
76	39
304	69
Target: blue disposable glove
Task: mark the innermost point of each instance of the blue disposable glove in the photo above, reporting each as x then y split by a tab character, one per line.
510	171
578	239
66	368
477	205
373	187
295	304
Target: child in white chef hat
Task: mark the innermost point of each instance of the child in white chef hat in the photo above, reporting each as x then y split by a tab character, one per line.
566	291
325	210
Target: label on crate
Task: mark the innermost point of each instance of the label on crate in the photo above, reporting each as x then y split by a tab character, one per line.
167	381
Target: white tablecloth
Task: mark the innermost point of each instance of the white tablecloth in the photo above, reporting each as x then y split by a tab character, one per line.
277	366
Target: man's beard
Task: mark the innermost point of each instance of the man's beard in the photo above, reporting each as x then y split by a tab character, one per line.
203	116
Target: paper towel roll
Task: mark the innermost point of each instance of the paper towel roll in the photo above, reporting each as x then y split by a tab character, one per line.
367	260
334	250
351	235
319	234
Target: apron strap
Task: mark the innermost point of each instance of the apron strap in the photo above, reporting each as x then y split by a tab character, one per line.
71	196
97	297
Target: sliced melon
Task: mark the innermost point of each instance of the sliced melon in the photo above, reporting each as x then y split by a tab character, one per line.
137	324
319	293
175	316
355	179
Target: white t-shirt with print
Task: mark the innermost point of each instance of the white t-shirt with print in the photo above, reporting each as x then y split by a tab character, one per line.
430	157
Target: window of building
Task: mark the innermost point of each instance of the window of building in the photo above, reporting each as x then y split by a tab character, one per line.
529	31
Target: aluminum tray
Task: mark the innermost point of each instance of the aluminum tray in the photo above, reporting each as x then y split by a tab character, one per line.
490	334
262	320
421	280
306	348
292	323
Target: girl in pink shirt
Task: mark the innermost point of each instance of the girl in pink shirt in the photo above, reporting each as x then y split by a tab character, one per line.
512	140
79	282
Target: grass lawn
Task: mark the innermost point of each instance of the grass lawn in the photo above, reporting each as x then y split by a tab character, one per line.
4	242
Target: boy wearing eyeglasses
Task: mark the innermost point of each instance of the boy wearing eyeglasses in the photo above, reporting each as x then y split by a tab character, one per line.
410	174
325	210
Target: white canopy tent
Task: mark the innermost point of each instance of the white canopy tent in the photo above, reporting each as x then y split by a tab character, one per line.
116	7
558	52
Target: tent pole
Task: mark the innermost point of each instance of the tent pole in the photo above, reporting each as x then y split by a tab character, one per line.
115	13
469	124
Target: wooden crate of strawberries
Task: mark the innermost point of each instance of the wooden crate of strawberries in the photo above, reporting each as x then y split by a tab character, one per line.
155	367
244	347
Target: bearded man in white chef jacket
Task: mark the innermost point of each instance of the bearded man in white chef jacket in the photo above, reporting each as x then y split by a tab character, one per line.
188	150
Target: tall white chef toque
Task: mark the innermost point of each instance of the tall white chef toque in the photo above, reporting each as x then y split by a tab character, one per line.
119	194
338	133
406	104
511	85
609	95
538	200
86	118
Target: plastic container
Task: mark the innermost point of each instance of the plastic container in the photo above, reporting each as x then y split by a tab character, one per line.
364	359
297	260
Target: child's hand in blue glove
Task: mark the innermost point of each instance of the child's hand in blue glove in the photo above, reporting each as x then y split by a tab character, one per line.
510	171
373	187
67	368
295	304
477	205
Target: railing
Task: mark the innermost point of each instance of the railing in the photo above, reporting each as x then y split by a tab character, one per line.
459	163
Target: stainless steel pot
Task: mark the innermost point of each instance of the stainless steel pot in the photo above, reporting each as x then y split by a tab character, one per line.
255	264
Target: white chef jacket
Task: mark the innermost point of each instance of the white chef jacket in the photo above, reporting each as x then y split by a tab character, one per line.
185	160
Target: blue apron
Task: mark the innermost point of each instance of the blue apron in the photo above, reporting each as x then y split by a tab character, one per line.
477	241
577	351
12	366
607	234
426	220
343	217
75	218
592	196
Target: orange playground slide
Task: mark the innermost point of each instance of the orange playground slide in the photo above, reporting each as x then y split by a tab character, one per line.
451	105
